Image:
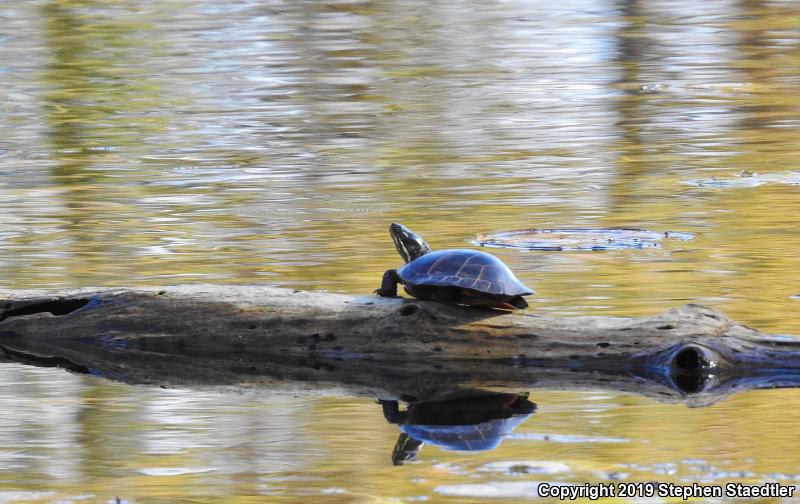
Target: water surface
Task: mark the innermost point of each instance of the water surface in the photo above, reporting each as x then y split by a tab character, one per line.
153	143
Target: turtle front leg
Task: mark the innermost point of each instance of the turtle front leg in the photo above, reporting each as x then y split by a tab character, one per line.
389	284
405	449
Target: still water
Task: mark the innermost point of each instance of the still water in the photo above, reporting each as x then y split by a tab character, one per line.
148	143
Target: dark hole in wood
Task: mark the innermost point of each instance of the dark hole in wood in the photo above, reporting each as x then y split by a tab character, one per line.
604	345
409	309
56	307
689	359
665	327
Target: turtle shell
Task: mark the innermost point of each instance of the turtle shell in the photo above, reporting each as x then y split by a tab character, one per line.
477	437
468	269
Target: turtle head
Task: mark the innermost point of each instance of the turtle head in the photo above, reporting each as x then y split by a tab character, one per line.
409	245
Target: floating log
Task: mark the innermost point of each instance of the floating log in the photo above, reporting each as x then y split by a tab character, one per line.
266	338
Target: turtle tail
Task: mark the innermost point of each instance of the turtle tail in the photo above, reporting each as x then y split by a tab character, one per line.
518	302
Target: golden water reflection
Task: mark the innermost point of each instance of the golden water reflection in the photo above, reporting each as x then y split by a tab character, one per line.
152	445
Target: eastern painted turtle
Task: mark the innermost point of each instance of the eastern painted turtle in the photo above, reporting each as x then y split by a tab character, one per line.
460	276
466	424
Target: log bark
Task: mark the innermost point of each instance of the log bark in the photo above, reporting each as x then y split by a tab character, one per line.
265	338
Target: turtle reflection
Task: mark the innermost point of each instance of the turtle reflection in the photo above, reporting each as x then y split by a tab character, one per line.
468	424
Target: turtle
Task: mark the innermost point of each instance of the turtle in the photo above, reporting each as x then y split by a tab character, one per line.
476	423
459	276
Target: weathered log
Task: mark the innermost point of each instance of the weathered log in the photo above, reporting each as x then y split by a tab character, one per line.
257	337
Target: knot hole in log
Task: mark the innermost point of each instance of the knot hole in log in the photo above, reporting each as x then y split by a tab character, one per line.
691	364
56	307
689	367
692	357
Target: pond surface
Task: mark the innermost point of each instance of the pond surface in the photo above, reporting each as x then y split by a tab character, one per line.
153	143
